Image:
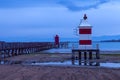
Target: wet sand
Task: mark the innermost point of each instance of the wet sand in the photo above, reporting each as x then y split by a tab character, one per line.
25	72
46	57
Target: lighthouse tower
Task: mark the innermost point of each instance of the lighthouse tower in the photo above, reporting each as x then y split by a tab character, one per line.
85	49
85	32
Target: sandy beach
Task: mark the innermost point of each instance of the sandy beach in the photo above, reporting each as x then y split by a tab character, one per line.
27	72
17	72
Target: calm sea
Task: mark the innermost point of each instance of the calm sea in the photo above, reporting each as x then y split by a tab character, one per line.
103	46
108	45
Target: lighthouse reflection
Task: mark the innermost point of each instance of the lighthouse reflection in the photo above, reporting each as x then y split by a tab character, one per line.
84	63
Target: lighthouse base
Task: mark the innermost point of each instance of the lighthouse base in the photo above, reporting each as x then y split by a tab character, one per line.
85	55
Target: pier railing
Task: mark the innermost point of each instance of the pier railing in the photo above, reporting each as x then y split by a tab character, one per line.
9	49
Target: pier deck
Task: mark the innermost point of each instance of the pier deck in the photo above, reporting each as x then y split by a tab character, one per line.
9	49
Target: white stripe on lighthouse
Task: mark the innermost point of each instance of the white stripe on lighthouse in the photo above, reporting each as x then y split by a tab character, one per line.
85	46
85	36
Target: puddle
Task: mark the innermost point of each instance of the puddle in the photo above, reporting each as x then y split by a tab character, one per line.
76	63
64	63
110	65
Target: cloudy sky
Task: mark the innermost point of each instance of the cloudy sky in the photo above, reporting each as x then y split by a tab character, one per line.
35	20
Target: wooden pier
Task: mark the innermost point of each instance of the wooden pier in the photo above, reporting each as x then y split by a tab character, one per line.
9	49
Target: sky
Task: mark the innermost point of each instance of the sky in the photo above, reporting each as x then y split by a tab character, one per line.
37	20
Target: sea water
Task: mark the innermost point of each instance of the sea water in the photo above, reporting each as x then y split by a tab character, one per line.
108	45
103	46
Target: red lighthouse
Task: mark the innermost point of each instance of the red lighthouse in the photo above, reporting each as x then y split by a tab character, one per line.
56	41
85	31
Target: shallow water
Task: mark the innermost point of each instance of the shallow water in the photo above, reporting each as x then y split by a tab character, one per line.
58	50
76	63
64	63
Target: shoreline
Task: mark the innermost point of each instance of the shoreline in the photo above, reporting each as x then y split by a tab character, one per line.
110	52
54	57
69	51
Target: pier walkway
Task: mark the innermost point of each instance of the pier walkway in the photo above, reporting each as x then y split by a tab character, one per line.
9	49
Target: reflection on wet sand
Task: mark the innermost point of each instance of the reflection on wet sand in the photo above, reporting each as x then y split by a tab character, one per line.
63	63
85	63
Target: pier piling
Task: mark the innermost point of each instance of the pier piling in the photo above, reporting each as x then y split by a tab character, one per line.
87	54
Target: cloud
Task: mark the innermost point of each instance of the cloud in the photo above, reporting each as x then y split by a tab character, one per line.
78	5
73	5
